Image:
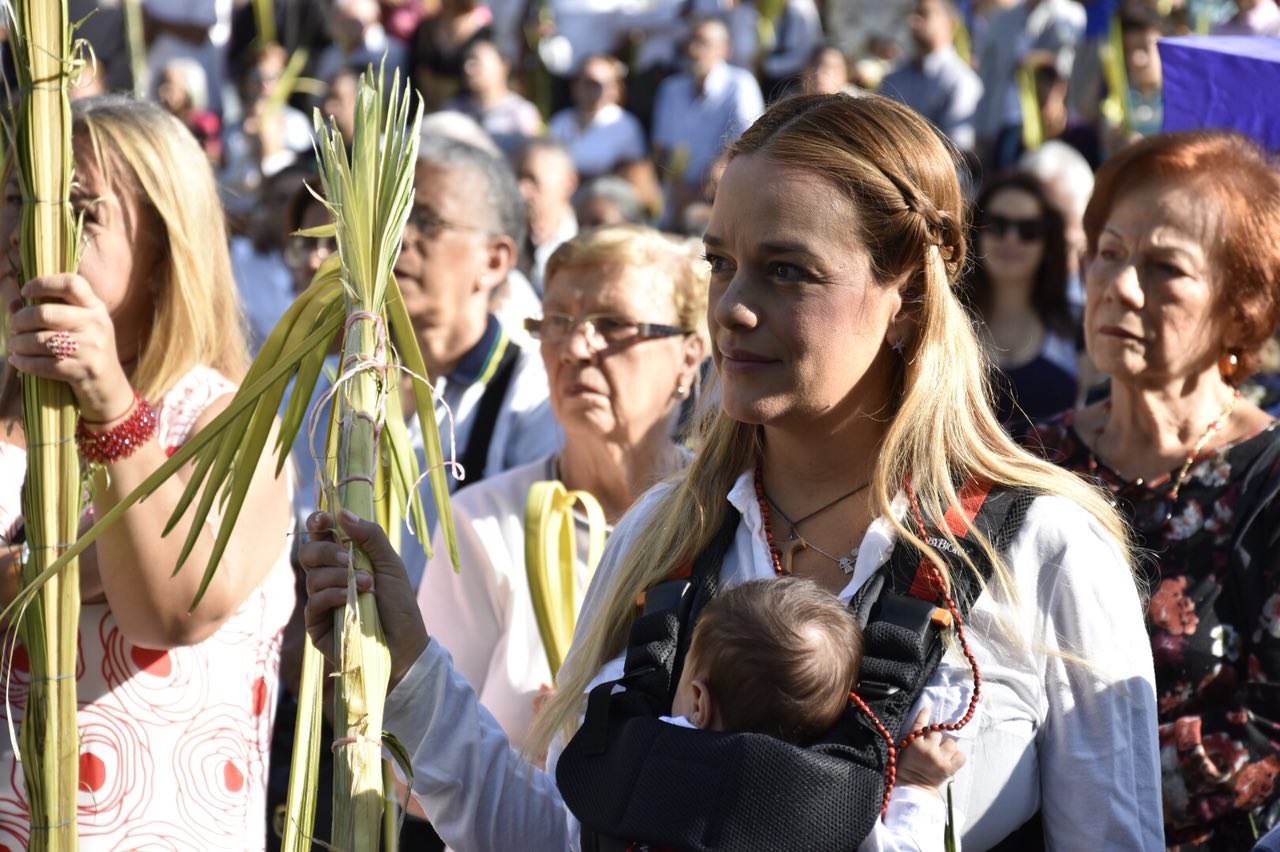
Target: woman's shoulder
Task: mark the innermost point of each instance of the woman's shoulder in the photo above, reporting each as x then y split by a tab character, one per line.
1055	439
1071	574
1054	523
501	493
181	406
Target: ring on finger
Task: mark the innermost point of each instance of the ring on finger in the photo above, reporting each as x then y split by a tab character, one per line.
62	345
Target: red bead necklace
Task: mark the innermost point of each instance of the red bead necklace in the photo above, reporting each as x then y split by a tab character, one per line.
768	525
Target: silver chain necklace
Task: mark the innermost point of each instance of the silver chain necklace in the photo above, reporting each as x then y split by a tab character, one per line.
846	563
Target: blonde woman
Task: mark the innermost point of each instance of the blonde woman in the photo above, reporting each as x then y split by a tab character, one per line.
619	338
852	390
176	706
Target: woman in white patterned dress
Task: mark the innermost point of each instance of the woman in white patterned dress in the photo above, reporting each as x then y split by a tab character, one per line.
175	706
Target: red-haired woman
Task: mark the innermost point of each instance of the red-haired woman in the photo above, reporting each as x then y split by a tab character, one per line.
1183	288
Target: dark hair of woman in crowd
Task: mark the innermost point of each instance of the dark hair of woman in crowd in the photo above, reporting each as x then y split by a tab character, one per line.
1049	289
1017	289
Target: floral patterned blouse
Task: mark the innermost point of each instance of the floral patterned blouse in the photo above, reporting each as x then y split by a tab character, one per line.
1213	565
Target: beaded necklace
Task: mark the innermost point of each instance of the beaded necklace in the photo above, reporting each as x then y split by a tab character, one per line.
1171	498
796	542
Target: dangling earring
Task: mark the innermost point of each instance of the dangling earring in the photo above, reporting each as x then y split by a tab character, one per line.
1228	364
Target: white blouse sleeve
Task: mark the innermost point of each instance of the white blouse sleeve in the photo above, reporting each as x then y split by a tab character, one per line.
1067	722
1098	748
916	821
477	790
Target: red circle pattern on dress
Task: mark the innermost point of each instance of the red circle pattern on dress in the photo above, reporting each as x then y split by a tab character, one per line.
117	787
211	764
160	685
174	743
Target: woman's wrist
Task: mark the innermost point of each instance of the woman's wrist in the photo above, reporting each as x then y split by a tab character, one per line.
106	442
108	407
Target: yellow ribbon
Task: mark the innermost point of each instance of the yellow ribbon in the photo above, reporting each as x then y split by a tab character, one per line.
963	44
549	554
1115	106
1032	123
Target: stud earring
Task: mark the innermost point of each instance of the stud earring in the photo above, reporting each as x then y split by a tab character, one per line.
1228	364
898	346
682	391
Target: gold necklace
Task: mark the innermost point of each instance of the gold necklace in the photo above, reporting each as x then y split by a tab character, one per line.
1171	497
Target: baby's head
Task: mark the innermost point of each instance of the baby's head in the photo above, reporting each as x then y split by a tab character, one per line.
776	657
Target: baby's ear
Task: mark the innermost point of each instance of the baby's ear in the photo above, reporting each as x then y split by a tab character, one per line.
704	708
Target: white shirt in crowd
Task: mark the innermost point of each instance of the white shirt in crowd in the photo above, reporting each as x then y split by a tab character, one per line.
212	15
525	429
483	613
612	137
1053	25
1075	741
797	34
694	125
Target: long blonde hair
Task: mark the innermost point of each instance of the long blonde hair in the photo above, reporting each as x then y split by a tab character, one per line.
902	179
141	149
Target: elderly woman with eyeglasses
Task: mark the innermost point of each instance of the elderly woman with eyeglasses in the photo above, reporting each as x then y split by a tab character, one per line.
1182	281
620	337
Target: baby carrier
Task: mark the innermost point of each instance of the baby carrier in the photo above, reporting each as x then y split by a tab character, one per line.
635	781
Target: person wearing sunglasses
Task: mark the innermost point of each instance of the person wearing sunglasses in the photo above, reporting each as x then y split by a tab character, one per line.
620	337
1018	290
1182	278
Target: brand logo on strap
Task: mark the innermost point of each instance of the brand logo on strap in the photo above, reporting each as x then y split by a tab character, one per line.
940	543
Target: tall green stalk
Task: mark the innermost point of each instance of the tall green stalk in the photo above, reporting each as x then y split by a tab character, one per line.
48	740
370	194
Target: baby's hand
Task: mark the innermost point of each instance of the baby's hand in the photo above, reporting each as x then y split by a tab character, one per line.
931	760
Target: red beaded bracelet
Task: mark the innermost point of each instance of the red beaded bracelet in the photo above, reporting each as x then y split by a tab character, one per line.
122	440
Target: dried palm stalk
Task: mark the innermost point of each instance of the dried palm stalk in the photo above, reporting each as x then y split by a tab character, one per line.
40	33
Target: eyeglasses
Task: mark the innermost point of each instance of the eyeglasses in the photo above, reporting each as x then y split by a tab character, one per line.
1028	230
600	329
430	224
299	248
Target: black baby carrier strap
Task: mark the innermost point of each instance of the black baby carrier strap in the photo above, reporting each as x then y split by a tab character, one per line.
635	782
476	456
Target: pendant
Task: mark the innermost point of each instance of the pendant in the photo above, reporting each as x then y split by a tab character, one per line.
846	563
789	550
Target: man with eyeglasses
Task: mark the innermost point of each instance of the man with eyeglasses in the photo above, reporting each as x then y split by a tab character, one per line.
460	246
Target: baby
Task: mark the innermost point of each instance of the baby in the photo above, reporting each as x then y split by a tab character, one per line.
780	657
